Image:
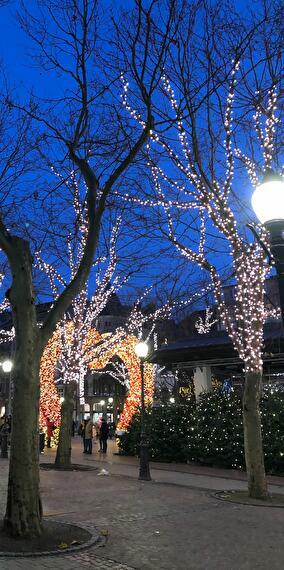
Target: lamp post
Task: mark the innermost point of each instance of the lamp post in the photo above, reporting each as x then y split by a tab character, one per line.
141	350
102	403
110	406
268	205
7	366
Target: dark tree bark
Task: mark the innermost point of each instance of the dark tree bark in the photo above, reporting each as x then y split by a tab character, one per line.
63	454
257	487
23	512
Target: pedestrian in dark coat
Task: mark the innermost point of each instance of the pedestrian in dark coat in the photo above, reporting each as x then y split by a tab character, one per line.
81	432
104	431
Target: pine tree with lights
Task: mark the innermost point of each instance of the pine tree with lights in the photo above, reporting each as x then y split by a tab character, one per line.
272	419
168	427
211	432
171	428
217	435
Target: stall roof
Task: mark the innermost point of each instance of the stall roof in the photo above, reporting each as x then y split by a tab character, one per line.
217	349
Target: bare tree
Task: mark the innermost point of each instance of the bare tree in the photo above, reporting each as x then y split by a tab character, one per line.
84	127
202	146
73	329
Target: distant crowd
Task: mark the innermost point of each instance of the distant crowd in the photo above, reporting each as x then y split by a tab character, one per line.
101	429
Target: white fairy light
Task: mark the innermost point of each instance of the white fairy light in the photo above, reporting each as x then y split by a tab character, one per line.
244	321
204	325
72	365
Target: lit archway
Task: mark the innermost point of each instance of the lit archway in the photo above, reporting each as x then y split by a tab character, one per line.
124	349
49	400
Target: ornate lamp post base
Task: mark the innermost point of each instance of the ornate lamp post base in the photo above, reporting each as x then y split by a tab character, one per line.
144	470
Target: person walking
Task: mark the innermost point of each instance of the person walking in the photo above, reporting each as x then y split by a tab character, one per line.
81	432
99	425
49	431
104	435
89	437
41	440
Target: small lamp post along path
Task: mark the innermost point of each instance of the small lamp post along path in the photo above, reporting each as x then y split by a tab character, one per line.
141	350
268	205
104	409
7	366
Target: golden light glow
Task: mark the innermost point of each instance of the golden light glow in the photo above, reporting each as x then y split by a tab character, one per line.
124	349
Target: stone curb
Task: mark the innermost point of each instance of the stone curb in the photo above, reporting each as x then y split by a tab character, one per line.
230	499
96	539
73	467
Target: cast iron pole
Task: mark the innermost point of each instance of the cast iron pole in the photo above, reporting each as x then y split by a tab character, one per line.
144	470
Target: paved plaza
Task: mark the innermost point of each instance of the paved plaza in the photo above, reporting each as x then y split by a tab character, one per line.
172	523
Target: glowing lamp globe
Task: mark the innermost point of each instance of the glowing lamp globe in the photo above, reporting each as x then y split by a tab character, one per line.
7	365
141	349
268	199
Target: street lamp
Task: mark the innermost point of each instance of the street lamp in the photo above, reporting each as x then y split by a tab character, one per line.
7	366
141	350
268	205
102	403
172	400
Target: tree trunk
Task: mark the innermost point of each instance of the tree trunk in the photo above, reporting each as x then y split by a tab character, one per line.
257	487
63	455
23	510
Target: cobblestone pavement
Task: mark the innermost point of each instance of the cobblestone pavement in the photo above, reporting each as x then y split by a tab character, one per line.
154	526
83	560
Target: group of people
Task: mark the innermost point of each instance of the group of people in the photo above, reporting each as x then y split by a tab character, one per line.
101	430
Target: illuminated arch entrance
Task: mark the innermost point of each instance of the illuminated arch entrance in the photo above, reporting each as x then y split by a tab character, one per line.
124	349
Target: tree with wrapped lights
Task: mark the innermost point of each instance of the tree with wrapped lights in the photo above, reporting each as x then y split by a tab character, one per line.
80	126
196	188
71	333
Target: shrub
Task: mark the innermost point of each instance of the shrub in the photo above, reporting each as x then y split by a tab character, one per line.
272	407
217	437
210	432
167	428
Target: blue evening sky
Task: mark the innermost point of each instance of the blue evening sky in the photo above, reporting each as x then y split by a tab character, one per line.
14	49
